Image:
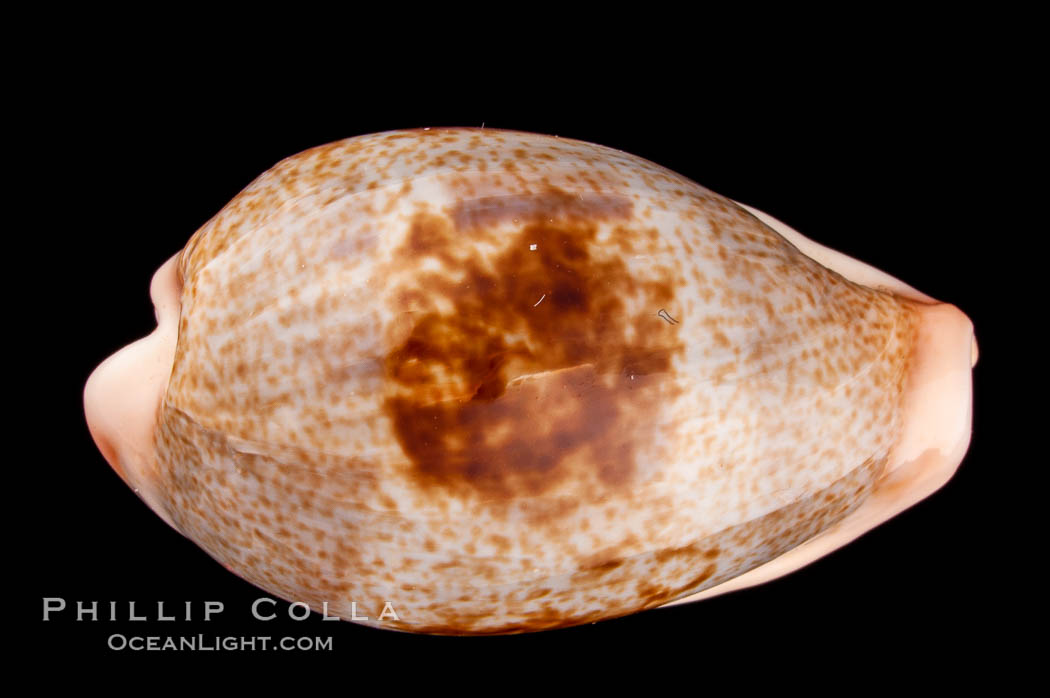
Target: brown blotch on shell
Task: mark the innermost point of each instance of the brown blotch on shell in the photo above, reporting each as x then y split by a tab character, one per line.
542	369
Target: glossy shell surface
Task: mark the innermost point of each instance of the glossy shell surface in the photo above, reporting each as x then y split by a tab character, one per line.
507	382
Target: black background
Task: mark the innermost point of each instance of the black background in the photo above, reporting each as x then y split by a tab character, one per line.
892	163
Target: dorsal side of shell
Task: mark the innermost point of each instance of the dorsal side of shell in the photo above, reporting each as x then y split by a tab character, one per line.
512	382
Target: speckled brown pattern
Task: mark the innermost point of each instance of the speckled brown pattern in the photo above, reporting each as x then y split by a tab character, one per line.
430	368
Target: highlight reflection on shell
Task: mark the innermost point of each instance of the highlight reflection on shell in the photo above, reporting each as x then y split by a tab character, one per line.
507	382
